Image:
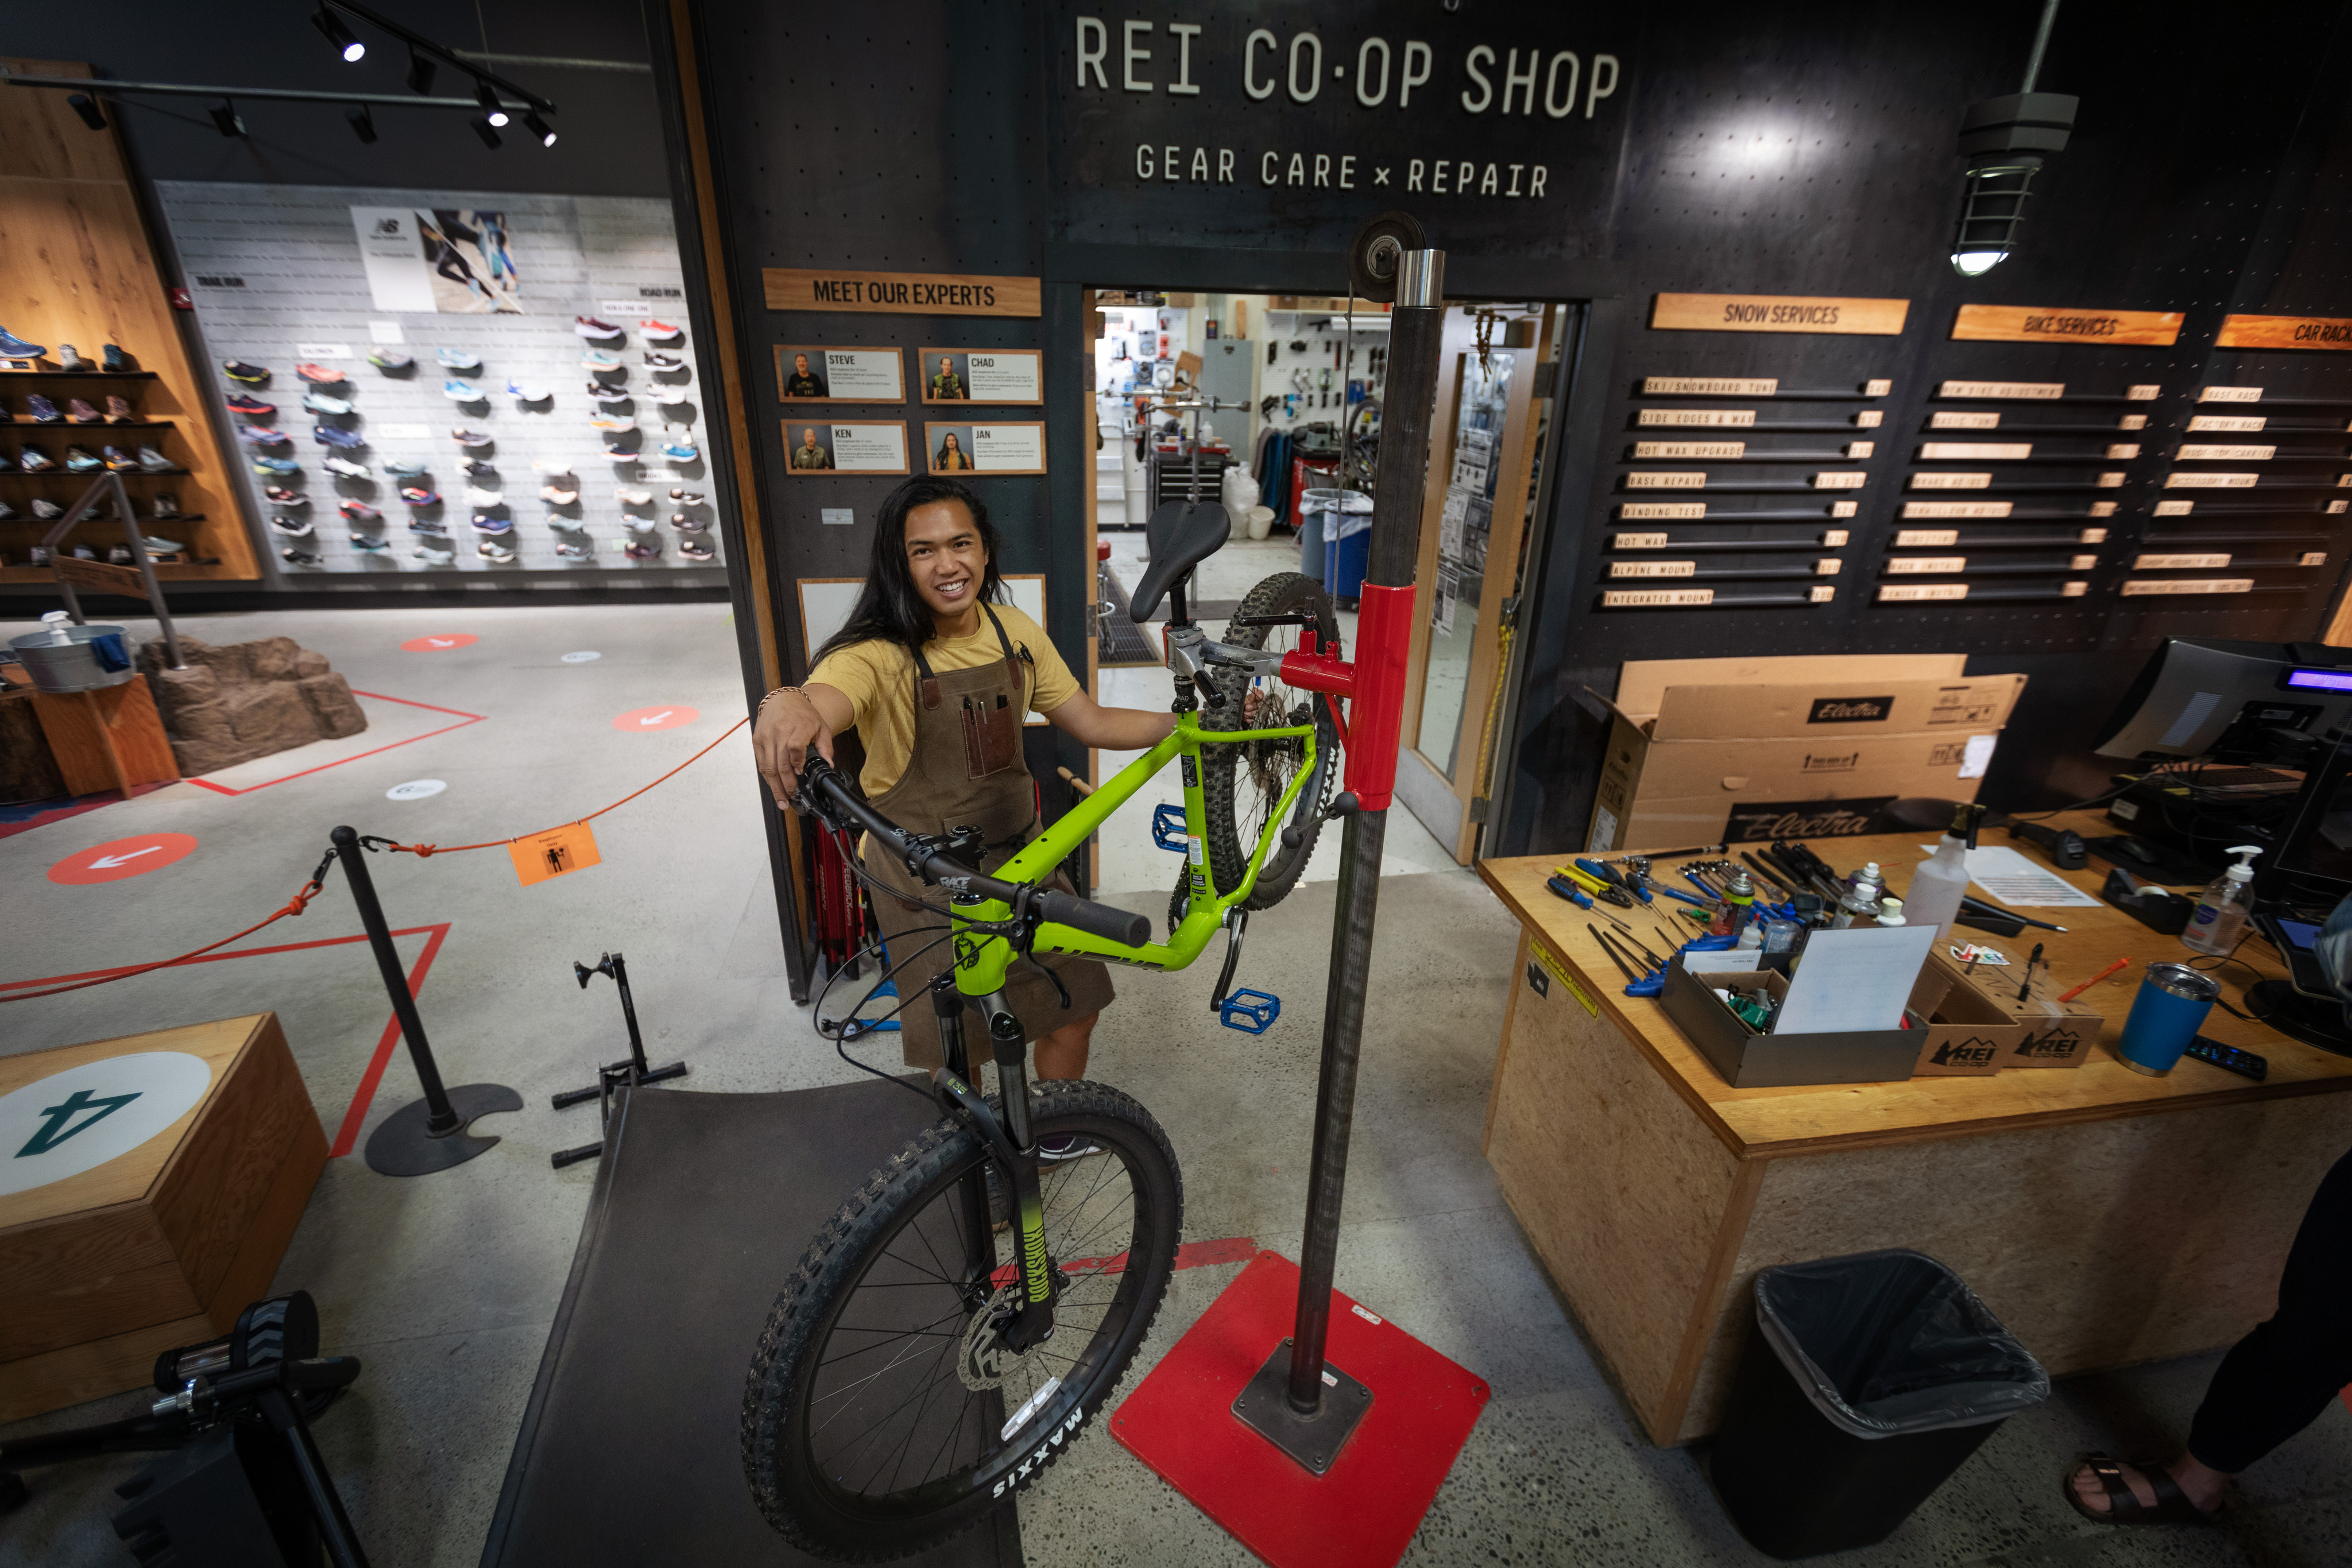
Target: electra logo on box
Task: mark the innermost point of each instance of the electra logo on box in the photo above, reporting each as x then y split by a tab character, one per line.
1970	1052
1850	710
1763	821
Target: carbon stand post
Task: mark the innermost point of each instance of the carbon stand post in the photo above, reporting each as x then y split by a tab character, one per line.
430	1134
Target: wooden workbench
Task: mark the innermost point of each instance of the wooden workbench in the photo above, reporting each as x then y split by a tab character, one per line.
2107	1218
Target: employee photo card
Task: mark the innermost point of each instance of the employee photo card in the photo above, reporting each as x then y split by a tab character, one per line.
1017	448
982	375
845	446
808	372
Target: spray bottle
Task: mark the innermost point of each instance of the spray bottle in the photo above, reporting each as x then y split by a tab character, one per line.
2220	914
1942	880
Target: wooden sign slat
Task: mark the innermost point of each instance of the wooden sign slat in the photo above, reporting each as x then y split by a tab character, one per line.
853	289
99	575
2057	324
2285	332
1779	313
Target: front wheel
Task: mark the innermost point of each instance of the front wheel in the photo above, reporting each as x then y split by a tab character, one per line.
1242	784
881	1414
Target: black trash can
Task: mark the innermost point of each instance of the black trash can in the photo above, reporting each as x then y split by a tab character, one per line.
1867	1381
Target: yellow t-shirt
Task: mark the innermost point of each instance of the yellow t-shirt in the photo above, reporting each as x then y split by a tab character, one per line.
878	679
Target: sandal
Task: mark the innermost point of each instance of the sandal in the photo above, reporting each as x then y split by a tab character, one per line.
2172	1504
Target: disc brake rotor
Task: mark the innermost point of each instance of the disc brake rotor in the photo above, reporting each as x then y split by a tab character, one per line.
983	1359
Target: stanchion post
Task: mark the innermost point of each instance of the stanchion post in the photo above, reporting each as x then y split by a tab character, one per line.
430	1134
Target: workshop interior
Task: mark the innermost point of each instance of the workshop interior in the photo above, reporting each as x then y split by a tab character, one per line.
1034	785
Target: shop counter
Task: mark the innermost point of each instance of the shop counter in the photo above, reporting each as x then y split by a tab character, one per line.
2106	1216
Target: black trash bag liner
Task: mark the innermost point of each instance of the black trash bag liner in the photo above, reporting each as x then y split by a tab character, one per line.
1893	1341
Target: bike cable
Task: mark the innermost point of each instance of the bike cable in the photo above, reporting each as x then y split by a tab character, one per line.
841	1040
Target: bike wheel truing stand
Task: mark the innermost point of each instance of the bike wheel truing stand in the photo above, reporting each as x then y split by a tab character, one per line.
631	1071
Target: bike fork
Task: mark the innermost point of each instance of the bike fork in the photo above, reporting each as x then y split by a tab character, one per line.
1034	1320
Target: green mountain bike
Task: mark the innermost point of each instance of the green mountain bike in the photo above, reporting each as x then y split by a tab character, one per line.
933	1351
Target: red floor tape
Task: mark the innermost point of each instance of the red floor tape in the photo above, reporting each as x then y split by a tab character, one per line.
1363	1513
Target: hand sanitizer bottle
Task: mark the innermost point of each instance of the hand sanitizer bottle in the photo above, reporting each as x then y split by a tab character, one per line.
1942	880
2220	914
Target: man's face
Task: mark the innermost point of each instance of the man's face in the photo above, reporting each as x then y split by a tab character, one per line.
808	438
945	555
947	367
800	363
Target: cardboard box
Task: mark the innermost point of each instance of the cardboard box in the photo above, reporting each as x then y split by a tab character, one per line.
1977	1026
1750	1060
1749	750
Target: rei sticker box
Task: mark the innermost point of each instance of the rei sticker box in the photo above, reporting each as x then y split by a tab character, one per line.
1749	750
1979	1026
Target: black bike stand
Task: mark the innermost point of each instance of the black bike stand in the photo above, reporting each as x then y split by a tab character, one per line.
630	1073
435	1132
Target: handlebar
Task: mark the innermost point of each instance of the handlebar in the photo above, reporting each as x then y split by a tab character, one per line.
823	786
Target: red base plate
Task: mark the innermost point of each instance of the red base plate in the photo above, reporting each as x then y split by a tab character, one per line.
1363	1514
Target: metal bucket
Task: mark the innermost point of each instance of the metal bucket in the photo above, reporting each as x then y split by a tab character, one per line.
97	656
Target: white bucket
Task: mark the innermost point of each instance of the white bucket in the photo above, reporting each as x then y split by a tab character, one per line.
1261	522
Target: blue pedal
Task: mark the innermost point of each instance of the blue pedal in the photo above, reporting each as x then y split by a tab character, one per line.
1168	829
1251	1012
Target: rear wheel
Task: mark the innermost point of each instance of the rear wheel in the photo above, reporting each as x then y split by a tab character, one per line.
1242	784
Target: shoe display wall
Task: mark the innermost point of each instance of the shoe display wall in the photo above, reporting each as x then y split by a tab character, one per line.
461	392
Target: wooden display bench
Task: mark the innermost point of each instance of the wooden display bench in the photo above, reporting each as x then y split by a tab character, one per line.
164	1244
2106	1217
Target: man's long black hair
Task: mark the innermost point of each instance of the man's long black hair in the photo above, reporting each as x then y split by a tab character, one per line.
889	609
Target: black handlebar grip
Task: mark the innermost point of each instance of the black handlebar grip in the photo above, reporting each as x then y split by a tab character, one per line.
1101	920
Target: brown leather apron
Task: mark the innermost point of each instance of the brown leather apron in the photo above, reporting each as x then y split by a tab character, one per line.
966	771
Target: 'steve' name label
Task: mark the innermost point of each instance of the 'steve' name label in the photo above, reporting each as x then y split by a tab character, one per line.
2045	324
1779	313
2285	332
1849	710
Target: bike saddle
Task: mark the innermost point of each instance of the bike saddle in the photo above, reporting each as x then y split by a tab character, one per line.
1181	535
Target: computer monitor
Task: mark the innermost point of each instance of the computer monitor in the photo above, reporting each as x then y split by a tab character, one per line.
2231	702
2295	887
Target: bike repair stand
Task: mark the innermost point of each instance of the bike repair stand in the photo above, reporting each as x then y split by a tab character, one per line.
435	1132
630	1073
1306	1463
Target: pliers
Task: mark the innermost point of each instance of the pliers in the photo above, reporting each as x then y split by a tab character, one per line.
1612	876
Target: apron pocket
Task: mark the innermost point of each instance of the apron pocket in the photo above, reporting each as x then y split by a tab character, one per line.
991	736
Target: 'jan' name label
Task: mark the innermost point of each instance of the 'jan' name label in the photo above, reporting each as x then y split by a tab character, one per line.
1956	509
1655	511
2008	392
1689	449
1665	481
1704	416
1707	386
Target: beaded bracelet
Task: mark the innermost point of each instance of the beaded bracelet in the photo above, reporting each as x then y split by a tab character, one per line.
764	701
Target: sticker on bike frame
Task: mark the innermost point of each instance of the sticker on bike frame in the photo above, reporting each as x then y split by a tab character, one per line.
1195	848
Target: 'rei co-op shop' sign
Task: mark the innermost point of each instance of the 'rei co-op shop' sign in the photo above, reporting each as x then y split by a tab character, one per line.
1237	127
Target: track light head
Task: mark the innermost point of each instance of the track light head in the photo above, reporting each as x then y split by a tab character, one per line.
538	128
485	129
81	103
488	97
2007	141
346	42
363	122
225	118
420	72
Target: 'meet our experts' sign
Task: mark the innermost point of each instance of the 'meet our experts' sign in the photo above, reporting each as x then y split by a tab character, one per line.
897	293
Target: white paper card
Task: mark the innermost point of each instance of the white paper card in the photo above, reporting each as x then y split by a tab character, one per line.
386	332
838	517
1978	756
1725	962
2005	874
1855	978
391	432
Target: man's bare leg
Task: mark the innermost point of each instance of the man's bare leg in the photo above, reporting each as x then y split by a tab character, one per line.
1063	1053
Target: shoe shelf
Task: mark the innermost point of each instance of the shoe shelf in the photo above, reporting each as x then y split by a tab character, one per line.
80	375
65	426
87	474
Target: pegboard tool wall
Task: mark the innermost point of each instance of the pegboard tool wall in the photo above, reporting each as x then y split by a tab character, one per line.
1776	150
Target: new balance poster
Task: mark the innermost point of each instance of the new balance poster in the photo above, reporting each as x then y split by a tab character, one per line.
457	261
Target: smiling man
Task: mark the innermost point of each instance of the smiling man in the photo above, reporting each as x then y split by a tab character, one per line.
935	670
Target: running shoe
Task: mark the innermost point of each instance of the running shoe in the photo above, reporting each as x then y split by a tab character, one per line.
407	469
38	556
80	412
431	526
598	360
120	554
611	421
432	556
48	511
685	524
643	549
43	411
118	412
524	393
417	495
388	358
465	437
620	452
694	547
547	465
458	359
319	375
608	397
251	407
260	436
299	558
569	551
250	375
558	494
359	512
680	451
161	547
69	359
114	361
494	552
318	402
337	436
284	496
486	524
660	362
460	391
367	542
475	468
166	508
154	462
632	497
655	332
476	495
293	527
686	498
81	461
81	552
345	468
276	465
589	327
33	461
16	348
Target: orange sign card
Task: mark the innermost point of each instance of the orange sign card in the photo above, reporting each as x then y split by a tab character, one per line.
2053	324
559	851
2285	332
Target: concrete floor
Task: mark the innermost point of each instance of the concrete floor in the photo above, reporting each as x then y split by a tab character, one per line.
445	1285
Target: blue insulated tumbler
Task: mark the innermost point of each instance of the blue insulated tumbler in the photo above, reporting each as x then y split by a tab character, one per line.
2165	1017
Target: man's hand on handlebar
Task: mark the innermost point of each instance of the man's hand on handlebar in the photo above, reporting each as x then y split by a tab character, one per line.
791	722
